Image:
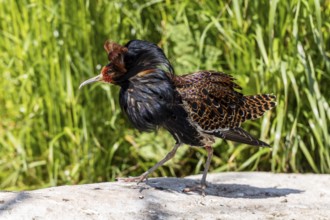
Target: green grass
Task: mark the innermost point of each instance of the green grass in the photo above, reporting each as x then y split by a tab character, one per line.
51	133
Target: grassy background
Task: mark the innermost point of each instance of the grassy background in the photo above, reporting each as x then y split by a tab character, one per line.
51	133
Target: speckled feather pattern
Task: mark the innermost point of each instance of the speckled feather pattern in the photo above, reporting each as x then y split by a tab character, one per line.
214	104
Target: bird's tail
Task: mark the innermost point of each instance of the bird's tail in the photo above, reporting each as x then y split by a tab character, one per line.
256	105
241	136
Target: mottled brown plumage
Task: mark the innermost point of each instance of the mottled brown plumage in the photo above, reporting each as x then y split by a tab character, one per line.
194	108
215	107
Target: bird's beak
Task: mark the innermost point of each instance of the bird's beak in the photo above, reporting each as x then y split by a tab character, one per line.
91	80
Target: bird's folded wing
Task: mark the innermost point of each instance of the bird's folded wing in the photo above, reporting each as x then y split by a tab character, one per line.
211	100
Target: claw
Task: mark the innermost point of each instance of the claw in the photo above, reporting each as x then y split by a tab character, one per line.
197	188
137	179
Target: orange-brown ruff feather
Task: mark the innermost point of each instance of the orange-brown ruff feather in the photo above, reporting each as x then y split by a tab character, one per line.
116	55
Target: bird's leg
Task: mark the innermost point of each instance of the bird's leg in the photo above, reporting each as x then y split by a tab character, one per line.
144	175
202	185
209	150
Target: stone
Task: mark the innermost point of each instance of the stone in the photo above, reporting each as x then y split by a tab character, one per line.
248	195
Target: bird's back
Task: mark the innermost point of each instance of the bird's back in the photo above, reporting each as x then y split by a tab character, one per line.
216	108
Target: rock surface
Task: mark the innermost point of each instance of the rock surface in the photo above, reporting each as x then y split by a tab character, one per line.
229	196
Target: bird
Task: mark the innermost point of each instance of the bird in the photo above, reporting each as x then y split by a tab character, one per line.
195	108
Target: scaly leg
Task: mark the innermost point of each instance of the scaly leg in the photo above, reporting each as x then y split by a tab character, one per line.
209	150
202	186
144	175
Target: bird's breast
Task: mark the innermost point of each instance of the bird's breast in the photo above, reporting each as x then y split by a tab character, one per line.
147	100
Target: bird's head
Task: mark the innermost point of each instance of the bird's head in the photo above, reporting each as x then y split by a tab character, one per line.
129	60
116	67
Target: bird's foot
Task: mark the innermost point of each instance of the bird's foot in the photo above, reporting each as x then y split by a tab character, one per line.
137	179
200	188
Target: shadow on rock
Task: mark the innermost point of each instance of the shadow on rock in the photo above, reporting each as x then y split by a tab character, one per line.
221	190
15	200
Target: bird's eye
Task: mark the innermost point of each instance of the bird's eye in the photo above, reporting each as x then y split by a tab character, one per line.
109	70
107	73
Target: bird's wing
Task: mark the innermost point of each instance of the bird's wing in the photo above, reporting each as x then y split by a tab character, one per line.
211	100
215	107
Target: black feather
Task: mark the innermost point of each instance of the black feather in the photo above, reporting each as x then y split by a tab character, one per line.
240	135
147	100
143	55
